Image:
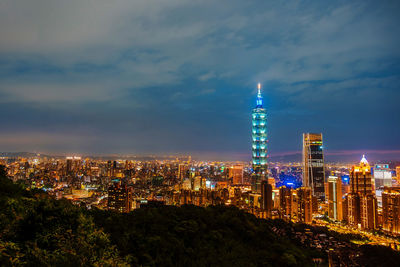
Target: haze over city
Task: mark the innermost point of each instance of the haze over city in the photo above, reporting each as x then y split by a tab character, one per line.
160	77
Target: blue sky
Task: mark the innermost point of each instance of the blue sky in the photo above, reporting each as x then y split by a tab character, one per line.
180	76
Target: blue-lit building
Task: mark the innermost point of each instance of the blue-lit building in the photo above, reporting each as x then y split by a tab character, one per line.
259	143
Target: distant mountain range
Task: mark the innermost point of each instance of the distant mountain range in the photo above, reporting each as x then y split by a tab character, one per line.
337	156
20	154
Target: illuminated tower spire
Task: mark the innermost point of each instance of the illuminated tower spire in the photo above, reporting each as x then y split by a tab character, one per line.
364	160
259	143
259	97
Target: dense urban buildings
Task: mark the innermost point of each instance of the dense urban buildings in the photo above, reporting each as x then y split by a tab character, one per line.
127	184
313	164
259	143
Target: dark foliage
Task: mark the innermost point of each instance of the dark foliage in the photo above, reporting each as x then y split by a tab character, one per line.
194	236
378	256
36	230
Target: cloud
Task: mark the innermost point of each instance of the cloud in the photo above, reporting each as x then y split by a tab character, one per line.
136	44
162	63
207	76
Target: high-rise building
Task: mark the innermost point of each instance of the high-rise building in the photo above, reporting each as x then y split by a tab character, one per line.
391	210
303	208
345	208
285	203
361	201
353	209
295	205
259	143
199	183
369	212
313	164
360	178
119	197
335	198
183	172
266	197
237	174
398	174
69	165
382	176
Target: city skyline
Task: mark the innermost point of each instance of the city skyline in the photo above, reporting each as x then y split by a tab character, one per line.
111	87
206	133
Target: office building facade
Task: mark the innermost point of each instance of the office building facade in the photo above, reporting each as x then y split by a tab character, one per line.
334	195
391	210
313	164
266	197
119	197
362	205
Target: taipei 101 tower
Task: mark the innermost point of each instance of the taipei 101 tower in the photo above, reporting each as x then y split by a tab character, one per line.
259	144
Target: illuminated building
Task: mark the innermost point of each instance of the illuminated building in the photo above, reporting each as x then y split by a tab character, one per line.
259	143
303	208
313	164
237	174
69	165
398	174
199	183
285	203
183	171
345	209
255	200
353	209
187	184
334	193
361	202
266	197
119	197
314	204
382	176
369	212
271	181
391	210
360	178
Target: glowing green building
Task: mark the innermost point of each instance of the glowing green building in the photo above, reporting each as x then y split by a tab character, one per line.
259	144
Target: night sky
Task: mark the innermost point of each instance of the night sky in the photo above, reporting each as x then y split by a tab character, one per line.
159	77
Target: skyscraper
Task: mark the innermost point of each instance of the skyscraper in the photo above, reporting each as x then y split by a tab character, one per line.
361	201
119	197
183	172
285	203
335	198
237	174
313	164
391	210
259	143
303	208
398	174
266	197
360	178
382	176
